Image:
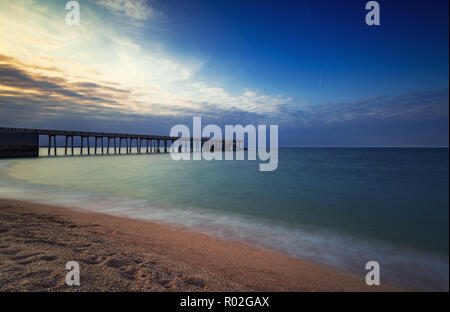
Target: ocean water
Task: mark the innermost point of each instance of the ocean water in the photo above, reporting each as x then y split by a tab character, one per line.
340	207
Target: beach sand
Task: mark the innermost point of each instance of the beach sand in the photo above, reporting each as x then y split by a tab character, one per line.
120	254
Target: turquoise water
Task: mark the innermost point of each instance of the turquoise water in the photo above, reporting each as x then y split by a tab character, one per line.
341	207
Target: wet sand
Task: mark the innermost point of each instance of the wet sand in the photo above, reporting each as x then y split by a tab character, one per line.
120	254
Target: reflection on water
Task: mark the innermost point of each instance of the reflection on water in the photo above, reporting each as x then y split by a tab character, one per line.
76	151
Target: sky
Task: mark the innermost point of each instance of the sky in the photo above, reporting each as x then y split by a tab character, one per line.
314	68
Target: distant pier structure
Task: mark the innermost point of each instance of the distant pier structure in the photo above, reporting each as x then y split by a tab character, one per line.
24	142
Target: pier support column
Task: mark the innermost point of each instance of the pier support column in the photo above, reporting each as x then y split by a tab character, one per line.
102	138
115	148
120	146
165	146
89	146
65	146
147	147
54	144
49	144
71	145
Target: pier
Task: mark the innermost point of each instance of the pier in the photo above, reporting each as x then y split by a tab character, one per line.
24	142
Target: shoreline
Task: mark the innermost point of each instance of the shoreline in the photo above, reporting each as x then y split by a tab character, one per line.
122	254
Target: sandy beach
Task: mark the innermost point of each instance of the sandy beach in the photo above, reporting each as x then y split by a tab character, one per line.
120	254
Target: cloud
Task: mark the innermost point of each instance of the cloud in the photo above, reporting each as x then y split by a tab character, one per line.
30	99
24	93
39	52
58	95
136	9
424	106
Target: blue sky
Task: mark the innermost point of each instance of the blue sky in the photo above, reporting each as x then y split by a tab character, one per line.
312	67
287	48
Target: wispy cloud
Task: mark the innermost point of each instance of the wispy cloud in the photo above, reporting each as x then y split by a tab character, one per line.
136	9
416	106
30	91
40	52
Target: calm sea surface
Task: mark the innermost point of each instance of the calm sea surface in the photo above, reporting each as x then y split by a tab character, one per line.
342	207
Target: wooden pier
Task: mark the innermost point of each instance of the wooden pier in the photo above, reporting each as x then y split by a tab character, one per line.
24	142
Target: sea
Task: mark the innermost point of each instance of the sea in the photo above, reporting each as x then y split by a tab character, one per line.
341	207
